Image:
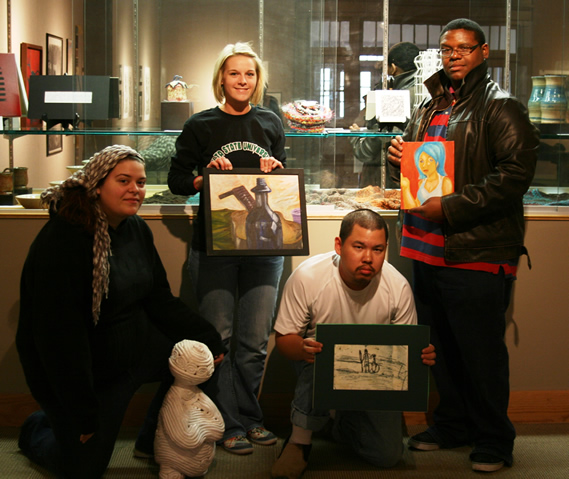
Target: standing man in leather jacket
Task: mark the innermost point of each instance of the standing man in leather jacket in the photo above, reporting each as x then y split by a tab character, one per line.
466	245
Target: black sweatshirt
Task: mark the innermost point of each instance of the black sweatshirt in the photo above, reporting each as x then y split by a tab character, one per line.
242	139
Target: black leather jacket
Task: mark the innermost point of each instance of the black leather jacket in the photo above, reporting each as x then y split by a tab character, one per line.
495	158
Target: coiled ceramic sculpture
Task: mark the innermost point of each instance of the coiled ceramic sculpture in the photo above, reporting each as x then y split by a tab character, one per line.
189	422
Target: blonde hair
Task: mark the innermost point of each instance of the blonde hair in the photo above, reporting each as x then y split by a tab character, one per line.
231	50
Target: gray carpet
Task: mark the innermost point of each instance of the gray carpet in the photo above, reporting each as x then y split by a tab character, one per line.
541	452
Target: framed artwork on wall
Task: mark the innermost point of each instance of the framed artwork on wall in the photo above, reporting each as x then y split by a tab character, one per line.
249	212
54	58
31	58
54	143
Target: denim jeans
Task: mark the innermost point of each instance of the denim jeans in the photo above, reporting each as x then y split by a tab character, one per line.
247	286
467	314
376	436
50	437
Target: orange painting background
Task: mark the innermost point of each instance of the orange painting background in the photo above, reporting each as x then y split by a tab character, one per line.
409	169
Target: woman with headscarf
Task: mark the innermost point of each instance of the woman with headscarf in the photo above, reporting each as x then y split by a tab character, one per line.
97	317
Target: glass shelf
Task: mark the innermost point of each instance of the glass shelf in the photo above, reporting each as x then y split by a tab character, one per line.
86	132
334	132
553	131
548	132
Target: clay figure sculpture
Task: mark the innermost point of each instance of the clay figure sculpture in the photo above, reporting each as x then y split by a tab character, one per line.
189	422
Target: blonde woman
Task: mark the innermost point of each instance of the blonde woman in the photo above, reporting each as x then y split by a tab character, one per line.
234	134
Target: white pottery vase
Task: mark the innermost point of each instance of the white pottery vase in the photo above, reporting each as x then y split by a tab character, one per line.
534	103
554	102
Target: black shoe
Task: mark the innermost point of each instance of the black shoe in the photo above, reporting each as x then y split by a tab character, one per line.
423	442
143	448
31	431
140	454
483	462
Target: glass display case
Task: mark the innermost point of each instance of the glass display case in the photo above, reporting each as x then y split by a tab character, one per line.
327	51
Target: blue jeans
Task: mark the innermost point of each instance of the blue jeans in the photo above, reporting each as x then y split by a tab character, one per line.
466	311
377	436
247	285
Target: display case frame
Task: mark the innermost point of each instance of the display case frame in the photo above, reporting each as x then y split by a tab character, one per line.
329	47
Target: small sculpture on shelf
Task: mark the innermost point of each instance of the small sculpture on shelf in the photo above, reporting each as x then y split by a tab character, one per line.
189	422
177	90
177	108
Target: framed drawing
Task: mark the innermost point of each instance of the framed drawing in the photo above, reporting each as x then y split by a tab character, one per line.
388	106
54	58
371	367
31	57
54	142
249	212
427	171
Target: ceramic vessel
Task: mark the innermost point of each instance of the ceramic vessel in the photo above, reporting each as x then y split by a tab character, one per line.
6	181
534	107
31	201
553	105
20	176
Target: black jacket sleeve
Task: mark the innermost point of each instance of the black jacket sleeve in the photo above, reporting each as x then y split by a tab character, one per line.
170	314
53	337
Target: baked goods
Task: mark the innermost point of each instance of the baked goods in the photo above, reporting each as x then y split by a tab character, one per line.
308	116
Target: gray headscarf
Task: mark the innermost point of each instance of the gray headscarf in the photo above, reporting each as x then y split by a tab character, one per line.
89	177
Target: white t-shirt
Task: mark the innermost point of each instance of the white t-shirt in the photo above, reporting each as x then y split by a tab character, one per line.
315	293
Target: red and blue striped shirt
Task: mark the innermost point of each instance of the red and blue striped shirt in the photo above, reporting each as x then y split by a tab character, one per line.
423	240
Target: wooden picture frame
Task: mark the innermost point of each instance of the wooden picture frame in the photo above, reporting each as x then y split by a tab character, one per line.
232	201
54	56
31	64
371	367
54	142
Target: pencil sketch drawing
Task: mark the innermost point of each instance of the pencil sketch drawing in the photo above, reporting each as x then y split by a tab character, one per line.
371	367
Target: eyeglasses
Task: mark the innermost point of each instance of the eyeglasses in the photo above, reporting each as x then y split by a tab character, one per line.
462	51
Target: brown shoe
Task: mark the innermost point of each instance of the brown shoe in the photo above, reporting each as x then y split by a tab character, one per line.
292	461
